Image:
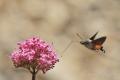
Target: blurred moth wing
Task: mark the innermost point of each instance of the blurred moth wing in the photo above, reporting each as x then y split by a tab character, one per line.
99	41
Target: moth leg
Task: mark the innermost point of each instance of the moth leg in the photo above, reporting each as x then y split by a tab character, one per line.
97	50
102	49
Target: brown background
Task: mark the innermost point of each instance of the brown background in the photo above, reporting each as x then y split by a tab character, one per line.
58	21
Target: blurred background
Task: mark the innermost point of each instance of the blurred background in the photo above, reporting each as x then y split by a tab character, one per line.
58	21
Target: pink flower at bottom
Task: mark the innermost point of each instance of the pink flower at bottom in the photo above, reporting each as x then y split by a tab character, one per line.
34	53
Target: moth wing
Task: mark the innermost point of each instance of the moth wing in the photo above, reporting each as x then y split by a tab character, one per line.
93	37
99	41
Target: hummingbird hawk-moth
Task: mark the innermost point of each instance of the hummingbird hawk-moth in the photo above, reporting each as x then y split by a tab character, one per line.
94	44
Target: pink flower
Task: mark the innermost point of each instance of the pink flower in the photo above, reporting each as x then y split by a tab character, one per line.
34	53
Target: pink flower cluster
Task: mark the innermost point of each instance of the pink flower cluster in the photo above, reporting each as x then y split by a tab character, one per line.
36	53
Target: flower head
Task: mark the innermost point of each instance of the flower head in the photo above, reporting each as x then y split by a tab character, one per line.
34	53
